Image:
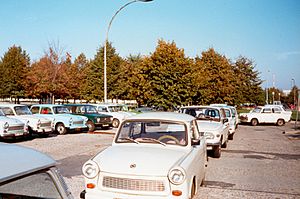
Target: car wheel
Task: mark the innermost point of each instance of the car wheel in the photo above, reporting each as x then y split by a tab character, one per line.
225	144
254	122
217	151
90	125
61	129
115	123
280	122
230	136
193	190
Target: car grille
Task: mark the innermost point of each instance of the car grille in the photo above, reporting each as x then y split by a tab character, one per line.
105	119
46	124
133	184
78	122
16	128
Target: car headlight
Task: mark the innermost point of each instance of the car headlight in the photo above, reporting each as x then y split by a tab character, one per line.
39	124
71	121
6	126
177	175
90	169
209	135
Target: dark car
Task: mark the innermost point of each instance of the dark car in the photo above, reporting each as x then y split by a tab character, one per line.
95	119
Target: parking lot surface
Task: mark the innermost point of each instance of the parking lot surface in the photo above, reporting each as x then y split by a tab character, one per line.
260	162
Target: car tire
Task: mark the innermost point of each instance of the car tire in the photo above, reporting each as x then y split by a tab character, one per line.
280	122
254	122
225	144
60	129
115	123
217	151
230	136
91	126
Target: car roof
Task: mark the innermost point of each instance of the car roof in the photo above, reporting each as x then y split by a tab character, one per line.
17	161
47	105
201	106
11	105
171	116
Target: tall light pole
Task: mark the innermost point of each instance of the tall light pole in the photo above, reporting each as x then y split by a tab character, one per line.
106	40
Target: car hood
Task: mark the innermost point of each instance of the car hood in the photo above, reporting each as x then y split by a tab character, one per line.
30	118
139	159
11	121
205	125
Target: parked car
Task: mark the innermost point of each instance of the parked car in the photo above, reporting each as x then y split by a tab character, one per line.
233	119
12	128
266	114
115	110
26	173
95	119
212	122
152	156
39	125
64	121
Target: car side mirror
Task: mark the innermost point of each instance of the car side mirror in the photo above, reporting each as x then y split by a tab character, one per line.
225	120
195	142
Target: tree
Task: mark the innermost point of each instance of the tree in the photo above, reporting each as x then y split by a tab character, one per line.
13	69
213	79
164	77
247	82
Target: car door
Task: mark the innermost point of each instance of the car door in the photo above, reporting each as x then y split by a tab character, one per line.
267	116
226	124
199	152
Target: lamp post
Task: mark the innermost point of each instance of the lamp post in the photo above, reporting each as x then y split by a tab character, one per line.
106	40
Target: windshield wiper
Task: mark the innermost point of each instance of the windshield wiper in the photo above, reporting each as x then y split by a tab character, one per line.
130	139
153	140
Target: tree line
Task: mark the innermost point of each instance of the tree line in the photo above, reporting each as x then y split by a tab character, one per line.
165	78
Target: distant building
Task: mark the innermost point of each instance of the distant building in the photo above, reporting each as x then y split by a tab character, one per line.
286	92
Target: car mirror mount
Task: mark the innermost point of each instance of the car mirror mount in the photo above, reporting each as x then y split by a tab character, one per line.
195	142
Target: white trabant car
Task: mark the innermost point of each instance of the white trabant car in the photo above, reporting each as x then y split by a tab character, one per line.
233	119
12	128
266	114
64	121
30	174
212	122
115	110
152	156
39	125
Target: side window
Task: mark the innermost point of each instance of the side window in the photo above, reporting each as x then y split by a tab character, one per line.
276	110
46	110
267	110
35	110
7	111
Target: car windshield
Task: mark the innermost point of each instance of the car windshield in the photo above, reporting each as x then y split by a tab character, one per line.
1	113
60	110
256	110
158	132
22	110
115	108
203	113
86	109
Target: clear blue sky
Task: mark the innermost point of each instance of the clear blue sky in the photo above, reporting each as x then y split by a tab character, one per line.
266	31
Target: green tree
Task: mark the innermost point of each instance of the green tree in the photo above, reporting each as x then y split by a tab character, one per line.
165	77
247	82
213	79
13	69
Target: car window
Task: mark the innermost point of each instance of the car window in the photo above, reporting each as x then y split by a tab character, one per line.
60	110
256	110
38	185
22	110
153	132
35	110
1	113
46	110
276	110
7	111
227	113
267	110
102	109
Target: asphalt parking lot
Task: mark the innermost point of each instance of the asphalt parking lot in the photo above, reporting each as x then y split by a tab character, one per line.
260	162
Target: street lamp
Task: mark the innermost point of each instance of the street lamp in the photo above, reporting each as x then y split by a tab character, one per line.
106	40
